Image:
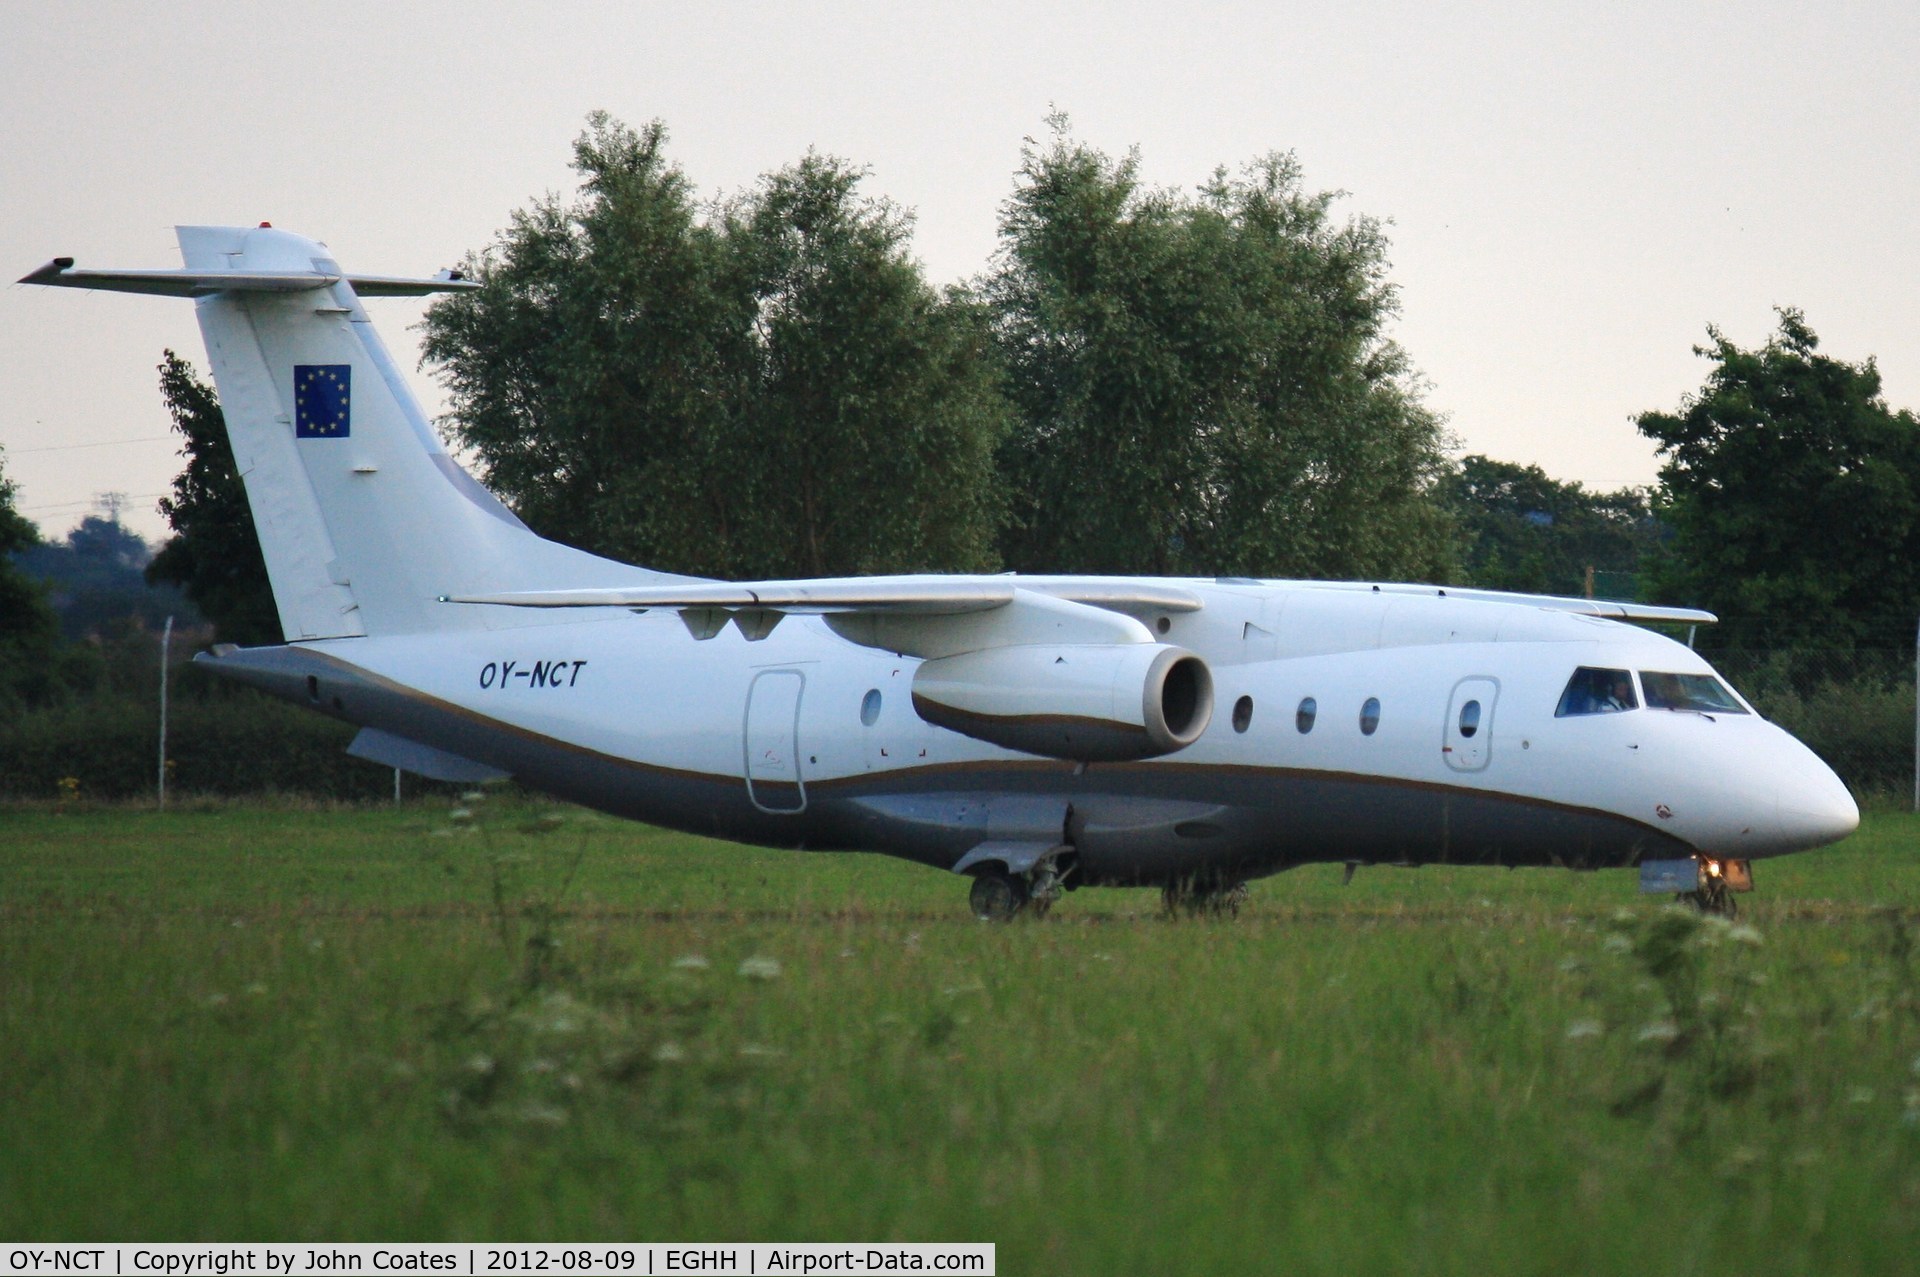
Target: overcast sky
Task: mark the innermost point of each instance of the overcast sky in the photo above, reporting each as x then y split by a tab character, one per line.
1575	190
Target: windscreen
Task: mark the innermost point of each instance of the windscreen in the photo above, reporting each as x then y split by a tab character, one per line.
1701	692
1597	691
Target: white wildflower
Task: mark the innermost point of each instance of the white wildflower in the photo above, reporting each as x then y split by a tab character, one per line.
760	968
1584	1029
1658	1031
534	1114
691	962
556	1013
669	1053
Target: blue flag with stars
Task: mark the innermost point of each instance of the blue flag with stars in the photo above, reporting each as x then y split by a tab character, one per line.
320	401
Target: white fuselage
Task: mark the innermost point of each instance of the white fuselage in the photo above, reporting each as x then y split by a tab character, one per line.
758	739
1089	729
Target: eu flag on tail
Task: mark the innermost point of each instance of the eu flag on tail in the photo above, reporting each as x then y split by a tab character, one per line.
320	401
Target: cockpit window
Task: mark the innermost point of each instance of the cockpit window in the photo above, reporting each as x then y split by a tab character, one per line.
1597	691
1700	692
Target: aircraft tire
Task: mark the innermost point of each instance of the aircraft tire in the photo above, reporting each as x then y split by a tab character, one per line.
996	898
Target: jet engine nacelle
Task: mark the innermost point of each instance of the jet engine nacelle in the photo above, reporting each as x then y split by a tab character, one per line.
1106	702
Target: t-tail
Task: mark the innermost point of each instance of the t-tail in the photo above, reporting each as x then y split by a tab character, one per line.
364	520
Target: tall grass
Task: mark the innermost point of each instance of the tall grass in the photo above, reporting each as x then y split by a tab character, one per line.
536	1023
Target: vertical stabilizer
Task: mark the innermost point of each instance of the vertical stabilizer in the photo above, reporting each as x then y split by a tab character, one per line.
364	520
363	517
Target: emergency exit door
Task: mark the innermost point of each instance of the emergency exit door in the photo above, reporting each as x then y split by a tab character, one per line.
1467	743
772	762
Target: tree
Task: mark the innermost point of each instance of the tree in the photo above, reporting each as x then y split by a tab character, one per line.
1205	384
36	668
1794	496
1524	531
768	388
588	373
214	554
872	409
98	581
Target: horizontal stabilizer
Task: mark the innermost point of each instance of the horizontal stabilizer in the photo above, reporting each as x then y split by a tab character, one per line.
389	750
61	273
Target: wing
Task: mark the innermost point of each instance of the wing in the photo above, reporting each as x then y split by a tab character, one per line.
929	595
1609	609
926	616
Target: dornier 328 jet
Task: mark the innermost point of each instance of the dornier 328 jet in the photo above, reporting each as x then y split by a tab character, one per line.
1034	733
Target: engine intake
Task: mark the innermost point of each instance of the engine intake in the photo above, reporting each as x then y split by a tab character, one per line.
1107	702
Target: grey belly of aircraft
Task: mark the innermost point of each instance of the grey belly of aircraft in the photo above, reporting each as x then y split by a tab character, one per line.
1133	823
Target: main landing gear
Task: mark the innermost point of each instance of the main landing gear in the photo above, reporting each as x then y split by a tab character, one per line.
999	896
1186	897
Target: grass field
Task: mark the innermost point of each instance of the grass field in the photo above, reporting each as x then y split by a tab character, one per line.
248	1023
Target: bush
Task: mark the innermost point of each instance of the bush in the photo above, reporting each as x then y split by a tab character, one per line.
239	742
1855	710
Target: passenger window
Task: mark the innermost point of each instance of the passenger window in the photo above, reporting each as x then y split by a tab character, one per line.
1470	719
1370	716
870	707
1597	691
1242	713
1303	717
1699	692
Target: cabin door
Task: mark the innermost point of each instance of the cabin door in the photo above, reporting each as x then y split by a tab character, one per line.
1467	744
773	741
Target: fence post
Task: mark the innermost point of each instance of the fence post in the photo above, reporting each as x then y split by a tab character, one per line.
1916	719
166	645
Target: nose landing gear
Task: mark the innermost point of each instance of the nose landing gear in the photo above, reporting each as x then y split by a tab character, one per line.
1719	880
1707	884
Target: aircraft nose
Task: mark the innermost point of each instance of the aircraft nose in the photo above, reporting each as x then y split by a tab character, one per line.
1814	806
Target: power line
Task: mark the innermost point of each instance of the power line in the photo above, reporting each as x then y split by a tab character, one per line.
67	447
90	501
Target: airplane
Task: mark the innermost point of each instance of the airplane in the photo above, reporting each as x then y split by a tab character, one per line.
1034	734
